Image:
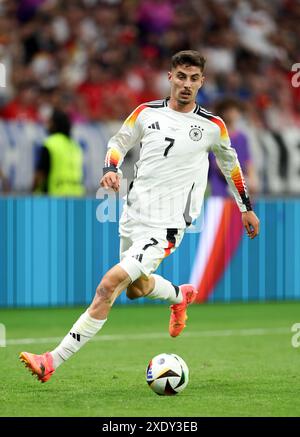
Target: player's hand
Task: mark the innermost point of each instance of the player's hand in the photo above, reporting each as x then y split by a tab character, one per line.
251	223
111	180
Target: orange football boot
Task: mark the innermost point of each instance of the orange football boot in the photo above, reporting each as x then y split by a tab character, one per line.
178	311
40	366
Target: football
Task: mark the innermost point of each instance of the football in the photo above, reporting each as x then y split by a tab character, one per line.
167	374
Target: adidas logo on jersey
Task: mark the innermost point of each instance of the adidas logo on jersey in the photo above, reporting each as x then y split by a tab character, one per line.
154	126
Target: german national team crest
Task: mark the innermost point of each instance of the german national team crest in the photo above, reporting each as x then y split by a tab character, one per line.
195	133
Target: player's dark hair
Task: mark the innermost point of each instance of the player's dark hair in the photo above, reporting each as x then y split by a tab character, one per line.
60	123
188	57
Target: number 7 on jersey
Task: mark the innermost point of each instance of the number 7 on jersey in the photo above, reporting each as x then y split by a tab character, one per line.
171	144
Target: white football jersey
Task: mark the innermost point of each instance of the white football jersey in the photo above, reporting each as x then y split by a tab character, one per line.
171	174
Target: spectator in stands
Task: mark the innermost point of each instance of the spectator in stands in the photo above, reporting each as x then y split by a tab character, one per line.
23	107
91	91
4	184
60	167
58	44
230	110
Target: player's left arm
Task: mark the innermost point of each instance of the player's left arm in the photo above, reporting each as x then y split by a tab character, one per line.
229	164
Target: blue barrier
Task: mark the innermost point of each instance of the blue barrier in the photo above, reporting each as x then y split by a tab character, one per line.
54	251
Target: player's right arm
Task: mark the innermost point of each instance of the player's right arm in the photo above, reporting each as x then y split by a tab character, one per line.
127	137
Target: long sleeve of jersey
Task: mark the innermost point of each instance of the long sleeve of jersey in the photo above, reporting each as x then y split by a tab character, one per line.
227	160
125	139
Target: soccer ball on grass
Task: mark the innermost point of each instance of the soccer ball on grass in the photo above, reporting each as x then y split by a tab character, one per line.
167	374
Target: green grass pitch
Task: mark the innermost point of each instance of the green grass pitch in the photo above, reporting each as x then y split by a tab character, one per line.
240	358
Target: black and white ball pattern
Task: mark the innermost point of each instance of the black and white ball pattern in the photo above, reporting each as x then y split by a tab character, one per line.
167	374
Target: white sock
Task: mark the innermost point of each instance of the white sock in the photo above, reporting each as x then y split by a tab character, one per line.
82	331
164	289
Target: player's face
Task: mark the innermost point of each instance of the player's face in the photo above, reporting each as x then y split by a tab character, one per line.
185	82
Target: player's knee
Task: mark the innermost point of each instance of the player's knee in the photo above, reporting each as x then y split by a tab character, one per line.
133	292
138	288
105	289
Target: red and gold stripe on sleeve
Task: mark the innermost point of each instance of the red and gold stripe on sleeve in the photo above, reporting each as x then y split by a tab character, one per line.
239	182
133	116
218	121
237	177
113	157
223	129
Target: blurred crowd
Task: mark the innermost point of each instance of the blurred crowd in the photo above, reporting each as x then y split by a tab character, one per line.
97	60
